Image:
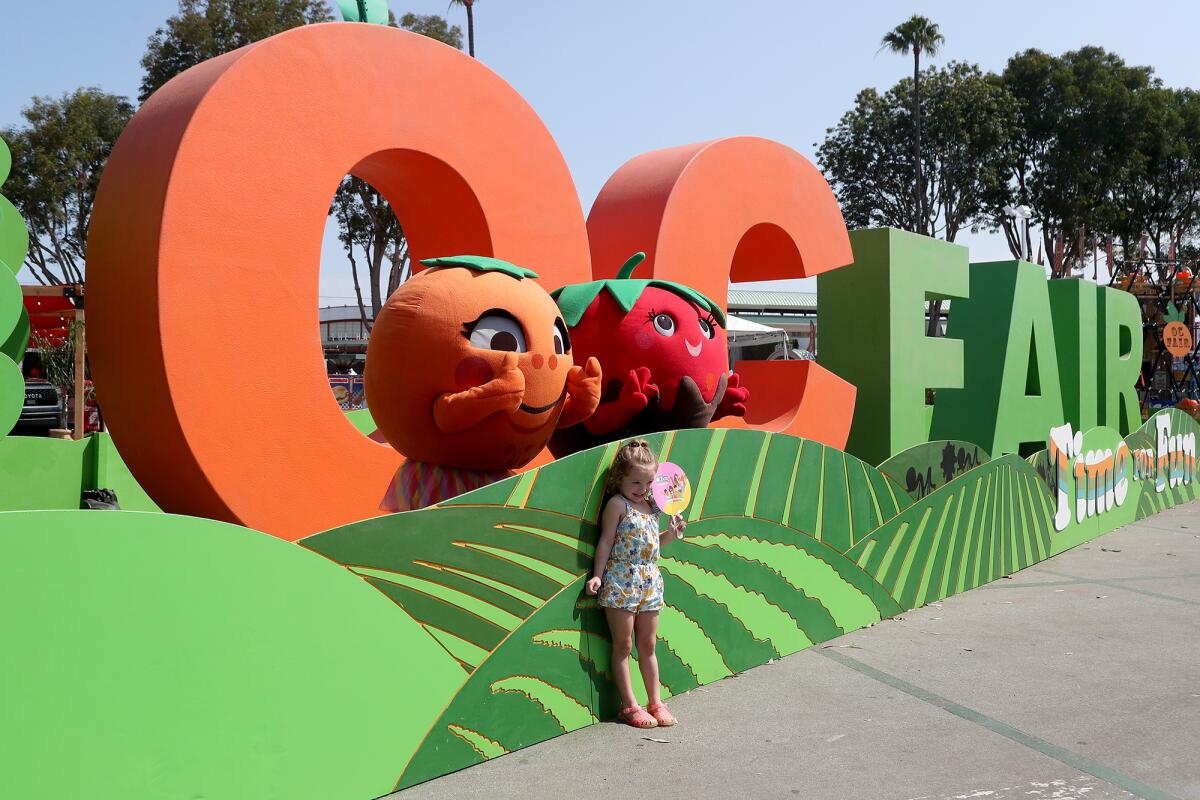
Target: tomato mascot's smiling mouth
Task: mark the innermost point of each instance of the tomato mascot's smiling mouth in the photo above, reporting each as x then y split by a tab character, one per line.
694	350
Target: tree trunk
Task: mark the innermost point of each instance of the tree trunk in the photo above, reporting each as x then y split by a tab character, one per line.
362	308
920	226
470	30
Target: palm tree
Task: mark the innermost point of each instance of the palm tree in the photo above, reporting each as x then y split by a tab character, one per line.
469	6
917	35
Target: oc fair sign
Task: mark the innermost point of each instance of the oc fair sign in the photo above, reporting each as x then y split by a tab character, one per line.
1096	469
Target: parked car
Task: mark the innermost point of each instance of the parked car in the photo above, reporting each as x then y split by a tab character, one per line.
43	401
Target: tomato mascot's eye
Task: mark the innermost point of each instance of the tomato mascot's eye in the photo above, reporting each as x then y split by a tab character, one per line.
496	330
664	324
562	341
707	327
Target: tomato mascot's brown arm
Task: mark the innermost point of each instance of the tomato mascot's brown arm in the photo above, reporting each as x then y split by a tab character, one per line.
733	402
636	393
583	393
455	412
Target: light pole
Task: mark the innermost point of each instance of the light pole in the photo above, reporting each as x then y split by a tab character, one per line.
1021	212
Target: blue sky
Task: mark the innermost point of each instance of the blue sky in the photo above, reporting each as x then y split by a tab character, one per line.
616	78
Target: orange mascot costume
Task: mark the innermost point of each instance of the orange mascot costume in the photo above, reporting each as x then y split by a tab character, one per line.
469	372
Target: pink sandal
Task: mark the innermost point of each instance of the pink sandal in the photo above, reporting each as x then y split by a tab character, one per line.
637	717
662	716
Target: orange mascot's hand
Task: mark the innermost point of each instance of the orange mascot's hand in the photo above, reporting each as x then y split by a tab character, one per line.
583	393
457	411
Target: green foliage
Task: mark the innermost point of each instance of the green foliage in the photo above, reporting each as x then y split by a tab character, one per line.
1076	134
1094	147
204	29
58	155
58	358
434	27
1158	191
868	155
915	35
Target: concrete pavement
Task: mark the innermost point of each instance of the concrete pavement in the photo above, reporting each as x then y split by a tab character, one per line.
1076	678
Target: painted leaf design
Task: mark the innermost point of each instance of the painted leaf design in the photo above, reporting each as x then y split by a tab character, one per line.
992	521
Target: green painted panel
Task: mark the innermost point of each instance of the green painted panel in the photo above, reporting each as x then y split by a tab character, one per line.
1011	396
773	491
564	493
890	496
12	322
18	340
488	597
733	475
872	320
361	419
921	469
249	639
1073	304
864	516
14	236
835	502
1120	330
110	472
918	558
728	635
814	619
806	492
37	473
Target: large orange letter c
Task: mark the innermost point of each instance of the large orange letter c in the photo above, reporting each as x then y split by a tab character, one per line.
206	238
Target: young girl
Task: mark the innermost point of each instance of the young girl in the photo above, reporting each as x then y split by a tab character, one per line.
626	577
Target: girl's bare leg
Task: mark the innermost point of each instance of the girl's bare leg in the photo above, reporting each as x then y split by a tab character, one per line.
646	633
620	623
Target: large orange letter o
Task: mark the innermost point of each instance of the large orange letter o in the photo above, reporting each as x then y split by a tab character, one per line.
745	209
206	238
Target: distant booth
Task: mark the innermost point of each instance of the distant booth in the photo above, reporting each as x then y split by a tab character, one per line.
772	325
344	343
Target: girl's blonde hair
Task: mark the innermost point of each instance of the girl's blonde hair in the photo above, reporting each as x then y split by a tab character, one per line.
634	453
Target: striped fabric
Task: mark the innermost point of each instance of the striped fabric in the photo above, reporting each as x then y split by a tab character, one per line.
418	484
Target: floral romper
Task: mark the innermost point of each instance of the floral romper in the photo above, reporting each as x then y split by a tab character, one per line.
631	579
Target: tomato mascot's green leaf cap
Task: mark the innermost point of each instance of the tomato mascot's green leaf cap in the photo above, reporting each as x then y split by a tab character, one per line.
1174	313
573	300
480	264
